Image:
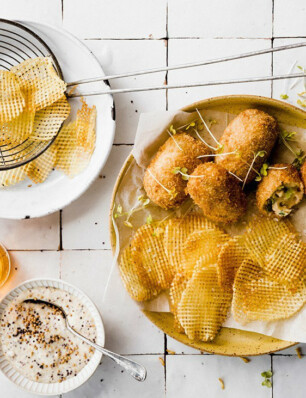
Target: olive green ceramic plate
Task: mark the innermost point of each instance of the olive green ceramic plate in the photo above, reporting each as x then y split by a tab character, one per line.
229	341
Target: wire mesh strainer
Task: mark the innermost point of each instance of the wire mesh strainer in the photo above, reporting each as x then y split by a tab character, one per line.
18	43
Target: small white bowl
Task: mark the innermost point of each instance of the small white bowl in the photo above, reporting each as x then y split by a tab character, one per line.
74	382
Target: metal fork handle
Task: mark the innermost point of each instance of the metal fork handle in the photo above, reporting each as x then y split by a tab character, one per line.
190	65
133	368
198	84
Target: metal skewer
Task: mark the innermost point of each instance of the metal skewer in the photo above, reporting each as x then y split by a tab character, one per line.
190	65
198	84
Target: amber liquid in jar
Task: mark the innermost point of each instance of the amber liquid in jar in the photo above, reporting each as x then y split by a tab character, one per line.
5	265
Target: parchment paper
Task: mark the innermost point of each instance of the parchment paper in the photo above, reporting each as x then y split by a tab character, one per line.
151	134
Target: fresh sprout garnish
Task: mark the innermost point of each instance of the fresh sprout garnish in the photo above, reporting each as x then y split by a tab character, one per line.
183	171
267	378
172	129
299	154
187	126
120	213
171	192
264	170
302	94
300	157
212	122
284	96
289	135
238	178
219	154
278	168
192	124
208	129
204	142
301	102
176	143
256	155
128	224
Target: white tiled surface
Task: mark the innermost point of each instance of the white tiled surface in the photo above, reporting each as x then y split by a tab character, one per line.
130	35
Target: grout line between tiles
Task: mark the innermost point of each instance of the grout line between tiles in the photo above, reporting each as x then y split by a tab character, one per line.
184	38
62	4
271	356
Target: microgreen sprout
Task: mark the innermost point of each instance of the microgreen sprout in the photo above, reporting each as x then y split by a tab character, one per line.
175	141
219	154
267	378
192	124
172	193
302	94
183	171
300	157
234	175
301	102
284	96
120	213
208	129
187	125
299	154
204	142
172	129
260	154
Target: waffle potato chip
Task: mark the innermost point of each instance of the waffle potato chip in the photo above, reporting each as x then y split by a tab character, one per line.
49	120
286	259
177	288
135	278
21	127
261	234
176	233
72	157
86	123
204	305
38	77
11	98
231	256
206	243
148	250
256	297
14	176
42	166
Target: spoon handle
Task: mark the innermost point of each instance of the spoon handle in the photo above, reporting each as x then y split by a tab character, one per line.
133	368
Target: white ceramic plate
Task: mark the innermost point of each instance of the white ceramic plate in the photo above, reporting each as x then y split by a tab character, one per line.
67	385
77	62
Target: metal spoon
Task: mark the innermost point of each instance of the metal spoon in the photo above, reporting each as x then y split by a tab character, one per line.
133	368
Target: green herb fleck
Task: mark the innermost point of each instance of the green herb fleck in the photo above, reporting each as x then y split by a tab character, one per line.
172	129
284	96
267	383
192	124
301	103
149	219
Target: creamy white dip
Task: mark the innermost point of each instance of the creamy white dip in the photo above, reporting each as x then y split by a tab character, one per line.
34	338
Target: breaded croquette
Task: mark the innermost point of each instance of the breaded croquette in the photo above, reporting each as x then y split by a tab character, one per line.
217	193
279	191
252	131
162	185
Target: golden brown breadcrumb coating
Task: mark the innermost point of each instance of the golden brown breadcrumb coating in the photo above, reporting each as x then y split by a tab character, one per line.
250	132
278	179
303	175
217	193
168	158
